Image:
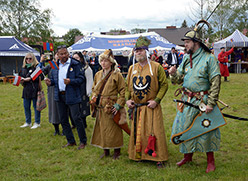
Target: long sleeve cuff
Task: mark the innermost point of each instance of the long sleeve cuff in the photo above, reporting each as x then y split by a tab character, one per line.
214	90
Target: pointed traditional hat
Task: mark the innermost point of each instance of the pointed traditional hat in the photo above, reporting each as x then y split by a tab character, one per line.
194	35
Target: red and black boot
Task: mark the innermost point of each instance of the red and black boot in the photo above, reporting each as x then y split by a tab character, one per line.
187	158
210	159
117	153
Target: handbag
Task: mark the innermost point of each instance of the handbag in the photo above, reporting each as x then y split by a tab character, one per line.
41	100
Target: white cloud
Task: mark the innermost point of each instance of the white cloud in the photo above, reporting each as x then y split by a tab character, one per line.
103	15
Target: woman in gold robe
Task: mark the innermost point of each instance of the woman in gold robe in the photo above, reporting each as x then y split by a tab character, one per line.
110	85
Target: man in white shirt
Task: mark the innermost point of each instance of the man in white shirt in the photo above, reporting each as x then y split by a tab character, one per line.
67	81
172	58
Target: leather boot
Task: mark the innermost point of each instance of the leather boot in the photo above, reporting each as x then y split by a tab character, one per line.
56	127
106	153
187	158
210	159
117	153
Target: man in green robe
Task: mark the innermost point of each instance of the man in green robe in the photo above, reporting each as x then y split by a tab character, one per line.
199	74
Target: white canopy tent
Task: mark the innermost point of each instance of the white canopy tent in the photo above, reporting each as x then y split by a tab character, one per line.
236	38
120	44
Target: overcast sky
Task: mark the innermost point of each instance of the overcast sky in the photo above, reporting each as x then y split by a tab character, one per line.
104	15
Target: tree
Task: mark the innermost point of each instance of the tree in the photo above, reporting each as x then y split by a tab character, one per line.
184	24
200	12
69	37
137	30
23	18
230	15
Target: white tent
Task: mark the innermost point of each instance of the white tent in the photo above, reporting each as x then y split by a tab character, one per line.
120	44
236	38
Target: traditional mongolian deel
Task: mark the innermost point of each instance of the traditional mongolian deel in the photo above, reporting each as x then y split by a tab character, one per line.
197	79
107	134
202	124
143	86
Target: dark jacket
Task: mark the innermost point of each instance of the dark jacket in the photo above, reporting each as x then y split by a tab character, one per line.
169	59
85	105
30	88
76	75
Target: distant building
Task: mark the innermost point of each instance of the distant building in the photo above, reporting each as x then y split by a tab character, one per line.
171	33
121	32
77	38
59	39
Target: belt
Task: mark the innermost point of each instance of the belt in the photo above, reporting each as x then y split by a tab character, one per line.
135	118
62	92
190	94
194	94
224	63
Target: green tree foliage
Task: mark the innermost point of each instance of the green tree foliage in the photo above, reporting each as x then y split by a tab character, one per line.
69	37
137	30
230	15
184	24
25	19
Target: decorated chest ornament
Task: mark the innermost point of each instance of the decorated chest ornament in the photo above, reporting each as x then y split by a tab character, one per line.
142	43
141	87
194	35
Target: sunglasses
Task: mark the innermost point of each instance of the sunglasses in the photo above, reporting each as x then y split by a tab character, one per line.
61	46
28	58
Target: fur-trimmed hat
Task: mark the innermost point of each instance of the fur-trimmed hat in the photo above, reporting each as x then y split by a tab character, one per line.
108	54
194	35
142	43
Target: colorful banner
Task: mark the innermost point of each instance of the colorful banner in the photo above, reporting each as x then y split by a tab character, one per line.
47	46
17	80
36	73
54	65
121	42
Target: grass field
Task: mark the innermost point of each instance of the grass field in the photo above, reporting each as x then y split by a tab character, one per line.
27	154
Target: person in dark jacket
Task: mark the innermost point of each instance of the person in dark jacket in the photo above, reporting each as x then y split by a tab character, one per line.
86	87
53	114
67	81
30	90
172	58
94	64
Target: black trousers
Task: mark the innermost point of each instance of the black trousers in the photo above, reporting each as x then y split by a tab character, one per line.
63	110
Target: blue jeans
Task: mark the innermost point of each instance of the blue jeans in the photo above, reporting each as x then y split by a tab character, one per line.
27	110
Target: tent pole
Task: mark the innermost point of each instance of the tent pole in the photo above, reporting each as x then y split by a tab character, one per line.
16	67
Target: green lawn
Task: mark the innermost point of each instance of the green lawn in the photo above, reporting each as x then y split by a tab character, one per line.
27	154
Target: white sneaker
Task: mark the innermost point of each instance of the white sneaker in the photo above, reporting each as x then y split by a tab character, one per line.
35	126
25	125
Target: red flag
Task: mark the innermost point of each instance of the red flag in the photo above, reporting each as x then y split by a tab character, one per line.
36	73
44	45
51	46
17	80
